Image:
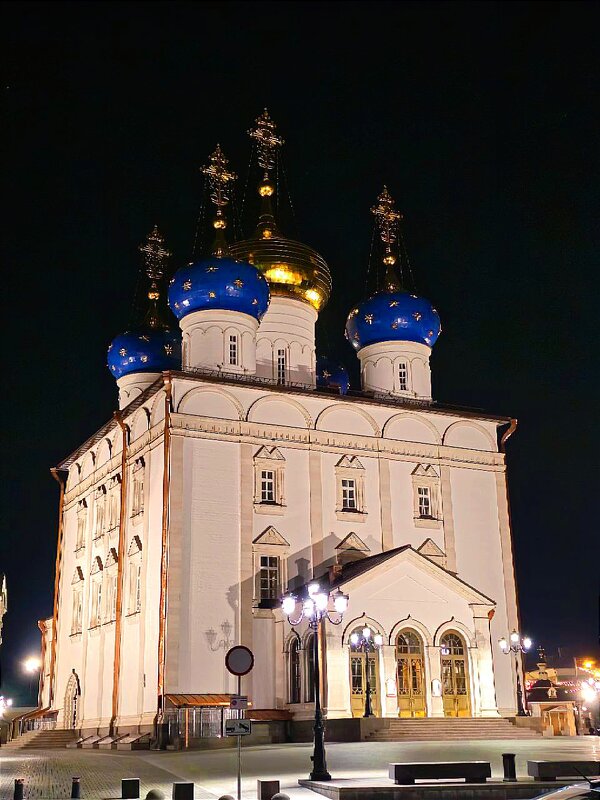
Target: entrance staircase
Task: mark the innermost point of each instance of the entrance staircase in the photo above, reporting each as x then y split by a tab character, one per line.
446	729
41	740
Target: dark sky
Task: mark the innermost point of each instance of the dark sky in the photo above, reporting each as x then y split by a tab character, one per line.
482	118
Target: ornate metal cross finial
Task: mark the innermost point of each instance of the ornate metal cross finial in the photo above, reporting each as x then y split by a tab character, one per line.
387	219
267	141
219	177
155	255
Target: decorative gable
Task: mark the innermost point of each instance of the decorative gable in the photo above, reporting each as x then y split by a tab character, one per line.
135	546
77	576
425	471
96	565
271	453
349	462
111	558
430	549
353	542
271	536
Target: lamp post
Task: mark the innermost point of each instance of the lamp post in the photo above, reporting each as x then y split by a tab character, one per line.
513	645
314	606
366	643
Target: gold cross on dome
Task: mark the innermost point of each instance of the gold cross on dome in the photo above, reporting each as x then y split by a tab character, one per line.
266	139
218	177
326	374
155	255
417	315
239	283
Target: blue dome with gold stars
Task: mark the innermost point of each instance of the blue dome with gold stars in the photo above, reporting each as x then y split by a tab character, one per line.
219	282
393	317
144	351
332	375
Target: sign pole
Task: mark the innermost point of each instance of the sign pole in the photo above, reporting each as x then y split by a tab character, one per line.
239	661
239	749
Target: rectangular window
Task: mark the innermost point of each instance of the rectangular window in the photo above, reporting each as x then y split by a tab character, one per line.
138	587
349	494
80	530
281	365
77	611
137	504
269	578
425	502
233	350
267	486
99	527
96	604
112	599
402	377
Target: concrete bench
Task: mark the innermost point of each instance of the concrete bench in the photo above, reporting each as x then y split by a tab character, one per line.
471	771
551	770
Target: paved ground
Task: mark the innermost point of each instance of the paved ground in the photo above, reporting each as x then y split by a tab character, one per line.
48	774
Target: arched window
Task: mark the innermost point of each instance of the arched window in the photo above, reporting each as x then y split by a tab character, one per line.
294	670
309	684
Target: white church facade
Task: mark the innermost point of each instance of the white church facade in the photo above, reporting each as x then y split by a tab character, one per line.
246	468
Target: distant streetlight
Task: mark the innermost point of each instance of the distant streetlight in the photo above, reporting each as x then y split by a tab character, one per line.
366	643
5	702
31	665
513	645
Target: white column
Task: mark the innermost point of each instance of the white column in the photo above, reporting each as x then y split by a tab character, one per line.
385	365
336	697
435	703
483	662
389	705
287	330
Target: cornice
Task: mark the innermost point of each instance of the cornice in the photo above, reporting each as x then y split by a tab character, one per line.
304	438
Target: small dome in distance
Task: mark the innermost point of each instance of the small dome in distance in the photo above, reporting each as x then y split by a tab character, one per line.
331	374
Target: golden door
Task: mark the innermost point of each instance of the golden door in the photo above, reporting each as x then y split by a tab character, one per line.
410	675
358	682
455	677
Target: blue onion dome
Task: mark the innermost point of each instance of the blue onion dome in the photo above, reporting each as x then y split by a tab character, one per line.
219	282
332	375
293	269
392	314
144	351
154	344
393	317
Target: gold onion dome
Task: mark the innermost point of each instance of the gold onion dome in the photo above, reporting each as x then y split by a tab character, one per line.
293	269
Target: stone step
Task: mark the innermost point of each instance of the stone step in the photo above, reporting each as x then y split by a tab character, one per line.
444	729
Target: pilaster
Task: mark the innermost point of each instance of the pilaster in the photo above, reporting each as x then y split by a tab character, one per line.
435	703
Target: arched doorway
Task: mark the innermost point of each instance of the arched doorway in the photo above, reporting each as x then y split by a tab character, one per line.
410	674
455	676
72	696
360	662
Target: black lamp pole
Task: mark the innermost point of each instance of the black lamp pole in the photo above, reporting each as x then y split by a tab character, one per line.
512	646
319	771
366	645
314	605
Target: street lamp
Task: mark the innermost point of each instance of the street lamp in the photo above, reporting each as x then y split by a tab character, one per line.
366	643
31	665
313	605
513	645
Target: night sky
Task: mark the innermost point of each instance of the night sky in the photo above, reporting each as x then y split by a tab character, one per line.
482	119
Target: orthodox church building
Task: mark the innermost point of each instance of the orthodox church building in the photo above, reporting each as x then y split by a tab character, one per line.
240	465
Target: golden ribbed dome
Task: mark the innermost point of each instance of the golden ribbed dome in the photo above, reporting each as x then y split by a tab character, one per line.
292	269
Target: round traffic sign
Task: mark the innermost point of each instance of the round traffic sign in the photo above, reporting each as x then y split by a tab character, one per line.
239	660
